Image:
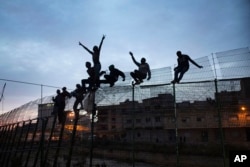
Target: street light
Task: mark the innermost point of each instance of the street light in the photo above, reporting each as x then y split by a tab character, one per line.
243	108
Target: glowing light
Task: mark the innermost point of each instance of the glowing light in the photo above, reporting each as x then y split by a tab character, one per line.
71	114
243	108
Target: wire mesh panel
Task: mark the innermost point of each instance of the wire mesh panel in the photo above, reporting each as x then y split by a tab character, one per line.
234	63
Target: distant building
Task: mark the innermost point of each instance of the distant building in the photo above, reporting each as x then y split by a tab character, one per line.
153	120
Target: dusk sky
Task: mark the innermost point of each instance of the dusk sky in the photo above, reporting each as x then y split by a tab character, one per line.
39	39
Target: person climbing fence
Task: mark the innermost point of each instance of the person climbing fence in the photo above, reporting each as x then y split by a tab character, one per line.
78	93
61	115
91	79
96	59
183	66
142	72
57	100
113	76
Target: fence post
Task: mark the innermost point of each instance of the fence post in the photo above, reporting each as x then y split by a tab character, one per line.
133	124
72	143
49	139
32	143
25	140
41	143
92	131
219	122
11	143
176	128
5	139
59	143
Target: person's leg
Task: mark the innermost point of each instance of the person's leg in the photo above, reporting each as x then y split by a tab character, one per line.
91	82
112	81
97	68
140	75
75	105
176	73
59	116
133	75
182	72
81	103
107	77
84	82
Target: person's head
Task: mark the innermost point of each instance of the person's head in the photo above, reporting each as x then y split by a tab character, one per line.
58	91
178	53
78	85
111	67
88	64
95	49
143	60
64	88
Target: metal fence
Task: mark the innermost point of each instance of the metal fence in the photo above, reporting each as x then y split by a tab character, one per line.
155	124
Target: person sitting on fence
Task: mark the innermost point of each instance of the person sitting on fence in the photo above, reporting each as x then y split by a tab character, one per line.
91	79
96	59
183	66
142	72
113	76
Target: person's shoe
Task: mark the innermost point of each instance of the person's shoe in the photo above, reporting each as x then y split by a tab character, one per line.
173	82
111	84
137	83
134	82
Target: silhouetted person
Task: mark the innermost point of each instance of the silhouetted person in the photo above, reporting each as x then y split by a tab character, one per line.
142	72
91	79
62	104
113	76
183	66
59	105
57	99
78	93
96	59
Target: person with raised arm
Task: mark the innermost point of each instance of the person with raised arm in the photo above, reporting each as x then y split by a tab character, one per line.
142	72
96	59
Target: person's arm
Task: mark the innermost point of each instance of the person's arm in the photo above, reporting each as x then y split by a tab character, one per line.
68	94
101	73
149	73
100	46
85	48
178	63
121	74
132	56
192	61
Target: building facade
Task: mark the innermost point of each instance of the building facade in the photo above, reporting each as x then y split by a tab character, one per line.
199	122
